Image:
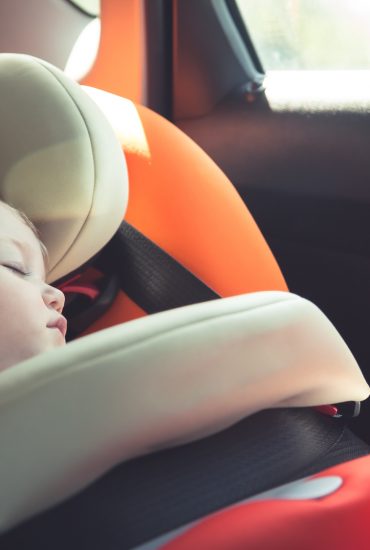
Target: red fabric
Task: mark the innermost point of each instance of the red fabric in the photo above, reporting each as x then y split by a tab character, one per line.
340	520
328	410
87	290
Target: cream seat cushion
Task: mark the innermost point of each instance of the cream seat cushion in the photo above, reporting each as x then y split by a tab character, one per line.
68	416
60	161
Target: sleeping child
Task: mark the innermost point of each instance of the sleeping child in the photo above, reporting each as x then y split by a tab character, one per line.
30	310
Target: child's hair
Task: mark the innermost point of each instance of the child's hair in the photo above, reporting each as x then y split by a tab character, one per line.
29	224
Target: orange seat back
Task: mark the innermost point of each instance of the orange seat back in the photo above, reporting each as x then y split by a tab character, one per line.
182	201
119	66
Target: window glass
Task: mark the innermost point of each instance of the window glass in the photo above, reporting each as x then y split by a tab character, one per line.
309	34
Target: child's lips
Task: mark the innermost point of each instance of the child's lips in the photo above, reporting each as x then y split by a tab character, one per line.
60	324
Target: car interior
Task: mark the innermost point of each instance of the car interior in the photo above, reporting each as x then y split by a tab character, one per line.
179	199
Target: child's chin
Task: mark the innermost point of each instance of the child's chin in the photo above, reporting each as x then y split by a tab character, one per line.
57	338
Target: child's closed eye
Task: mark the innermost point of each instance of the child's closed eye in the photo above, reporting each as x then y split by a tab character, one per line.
17	268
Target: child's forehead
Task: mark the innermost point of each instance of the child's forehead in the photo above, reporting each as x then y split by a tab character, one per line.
13	226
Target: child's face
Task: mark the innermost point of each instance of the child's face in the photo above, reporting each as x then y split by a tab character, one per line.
30	310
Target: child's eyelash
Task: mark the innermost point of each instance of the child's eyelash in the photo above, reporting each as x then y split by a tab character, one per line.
17	269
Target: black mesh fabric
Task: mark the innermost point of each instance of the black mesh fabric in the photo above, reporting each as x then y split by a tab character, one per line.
150	277
146	497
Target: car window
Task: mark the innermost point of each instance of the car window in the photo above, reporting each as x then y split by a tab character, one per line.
309	34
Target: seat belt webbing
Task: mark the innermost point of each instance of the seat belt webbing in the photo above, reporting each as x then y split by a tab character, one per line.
150	277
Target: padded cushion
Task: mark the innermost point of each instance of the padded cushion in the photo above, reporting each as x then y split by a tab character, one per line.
60	161
157	382
183	202
122	44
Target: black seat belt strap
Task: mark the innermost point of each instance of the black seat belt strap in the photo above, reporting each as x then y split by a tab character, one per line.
150	277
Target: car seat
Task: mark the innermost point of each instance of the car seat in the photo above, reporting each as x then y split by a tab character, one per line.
120	45
62	165
183	203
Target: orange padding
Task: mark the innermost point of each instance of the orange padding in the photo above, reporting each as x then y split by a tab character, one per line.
181	200
339	521
120	63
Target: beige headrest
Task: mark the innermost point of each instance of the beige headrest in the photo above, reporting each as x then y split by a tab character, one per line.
60	161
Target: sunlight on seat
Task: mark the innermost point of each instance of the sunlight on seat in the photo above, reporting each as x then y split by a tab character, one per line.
124	118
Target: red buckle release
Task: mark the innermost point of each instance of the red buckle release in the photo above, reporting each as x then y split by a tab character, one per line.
328	410
347	409
86	289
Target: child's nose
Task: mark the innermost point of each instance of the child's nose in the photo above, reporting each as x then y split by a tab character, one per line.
53	297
